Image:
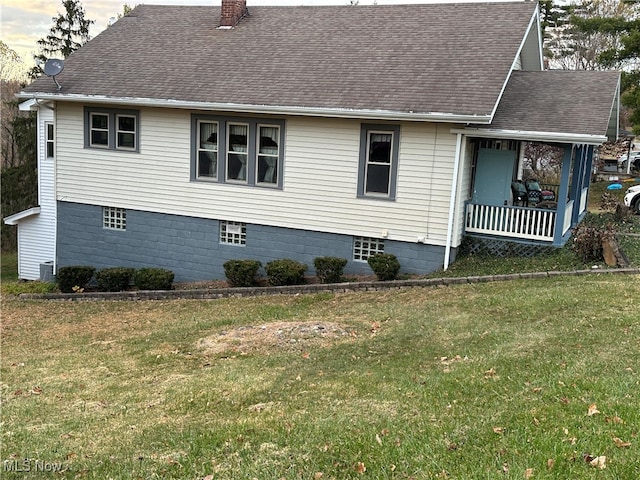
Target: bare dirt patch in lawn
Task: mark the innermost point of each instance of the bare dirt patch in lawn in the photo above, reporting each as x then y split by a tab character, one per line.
283	336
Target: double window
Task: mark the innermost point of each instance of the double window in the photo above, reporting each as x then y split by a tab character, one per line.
112	129
237	150
378	161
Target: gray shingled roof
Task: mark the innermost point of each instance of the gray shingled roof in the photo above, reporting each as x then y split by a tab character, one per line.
429	58
558	101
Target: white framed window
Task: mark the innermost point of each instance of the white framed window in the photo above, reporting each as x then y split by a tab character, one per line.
114	218
49	140
233	233
207	151
237	150
112	129
268	154
378	161
126	132
99	130
364	247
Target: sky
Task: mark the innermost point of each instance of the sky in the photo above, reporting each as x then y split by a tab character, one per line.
24	22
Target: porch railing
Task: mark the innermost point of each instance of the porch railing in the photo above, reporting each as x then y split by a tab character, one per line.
568	212
507	221
583	199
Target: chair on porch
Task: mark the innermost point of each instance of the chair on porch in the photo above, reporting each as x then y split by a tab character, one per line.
519	192
534	192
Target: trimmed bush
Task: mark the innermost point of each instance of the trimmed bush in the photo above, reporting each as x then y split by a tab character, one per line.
384	265
114	279
285	272
329	269
74	277
153	279
242	273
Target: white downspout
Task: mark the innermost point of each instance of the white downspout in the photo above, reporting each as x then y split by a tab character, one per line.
452	201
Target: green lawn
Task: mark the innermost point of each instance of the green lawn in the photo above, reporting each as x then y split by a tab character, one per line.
523	379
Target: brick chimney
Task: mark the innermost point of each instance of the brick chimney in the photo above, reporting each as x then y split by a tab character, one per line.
232	11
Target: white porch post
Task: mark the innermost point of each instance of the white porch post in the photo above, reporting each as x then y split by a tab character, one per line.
452	201
563	193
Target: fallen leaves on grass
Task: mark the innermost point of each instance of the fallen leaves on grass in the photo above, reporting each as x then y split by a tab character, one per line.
361	468
498	430
593	410
621	443
597	462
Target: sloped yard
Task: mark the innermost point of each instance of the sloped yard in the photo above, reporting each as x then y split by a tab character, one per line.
522	379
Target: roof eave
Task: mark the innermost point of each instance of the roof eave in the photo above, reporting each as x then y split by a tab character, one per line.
267	109
532	136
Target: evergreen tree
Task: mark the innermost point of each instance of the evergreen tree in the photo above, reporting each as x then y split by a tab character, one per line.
69	32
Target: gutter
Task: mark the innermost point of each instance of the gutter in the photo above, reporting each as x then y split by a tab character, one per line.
265	109
533	136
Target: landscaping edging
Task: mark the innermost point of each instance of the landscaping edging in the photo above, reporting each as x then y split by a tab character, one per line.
212	294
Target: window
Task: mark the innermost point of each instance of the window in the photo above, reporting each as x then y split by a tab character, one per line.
250	151
50	145
99	130
126	131
207	150
268	154
114	218
234	233
111	129
237	151
378	161
364	247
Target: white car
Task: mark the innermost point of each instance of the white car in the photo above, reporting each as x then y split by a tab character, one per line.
622	159
632	198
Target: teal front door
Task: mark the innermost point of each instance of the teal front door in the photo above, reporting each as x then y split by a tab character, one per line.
494	172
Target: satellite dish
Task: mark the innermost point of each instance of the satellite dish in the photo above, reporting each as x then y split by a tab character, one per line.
53	67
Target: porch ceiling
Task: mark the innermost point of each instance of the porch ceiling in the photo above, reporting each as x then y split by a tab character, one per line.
557	105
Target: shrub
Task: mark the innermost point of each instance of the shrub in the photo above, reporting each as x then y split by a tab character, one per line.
329	269
242	273
587	242
153	279
384	265
285	272
74	277
114	279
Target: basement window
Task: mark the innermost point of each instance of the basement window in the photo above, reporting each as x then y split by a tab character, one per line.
364	247
114	218
233	233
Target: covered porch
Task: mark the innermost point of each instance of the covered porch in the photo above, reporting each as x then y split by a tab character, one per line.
495	209
574	114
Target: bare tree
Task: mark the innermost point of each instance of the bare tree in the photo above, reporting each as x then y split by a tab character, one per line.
11	64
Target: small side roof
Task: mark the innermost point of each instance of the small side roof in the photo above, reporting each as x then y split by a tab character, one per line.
17	217
575	105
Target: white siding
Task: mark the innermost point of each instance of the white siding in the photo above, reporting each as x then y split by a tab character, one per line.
37	234
320	177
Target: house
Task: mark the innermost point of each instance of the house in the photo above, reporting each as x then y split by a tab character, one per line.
185	136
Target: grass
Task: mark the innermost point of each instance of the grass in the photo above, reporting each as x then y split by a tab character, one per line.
466	382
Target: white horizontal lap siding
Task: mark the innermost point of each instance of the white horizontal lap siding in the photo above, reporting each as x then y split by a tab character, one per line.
36	234
320	177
